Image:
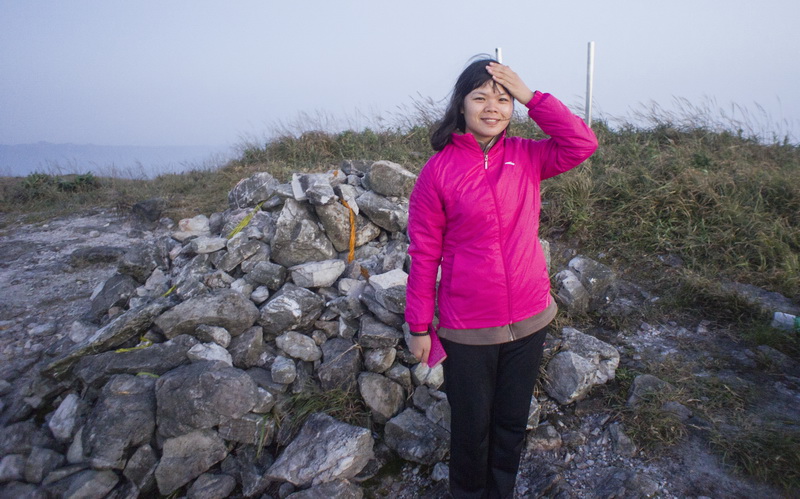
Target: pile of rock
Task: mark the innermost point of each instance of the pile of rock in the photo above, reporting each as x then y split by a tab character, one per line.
202	342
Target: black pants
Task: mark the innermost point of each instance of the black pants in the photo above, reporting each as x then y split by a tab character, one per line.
489	388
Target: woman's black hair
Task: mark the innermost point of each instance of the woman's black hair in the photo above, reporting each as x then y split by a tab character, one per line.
473	76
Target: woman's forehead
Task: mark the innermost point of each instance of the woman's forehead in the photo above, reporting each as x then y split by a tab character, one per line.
490	87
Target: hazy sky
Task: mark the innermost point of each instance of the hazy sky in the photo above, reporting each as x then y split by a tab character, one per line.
172	72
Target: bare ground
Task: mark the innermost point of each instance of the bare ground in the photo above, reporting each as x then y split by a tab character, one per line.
43	294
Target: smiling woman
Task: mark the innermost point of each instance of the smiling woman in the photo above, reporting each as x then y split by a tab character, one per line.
474	212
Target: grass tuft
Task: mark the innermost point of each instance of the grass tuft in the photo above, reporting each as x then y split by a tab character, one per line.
346	406
767	451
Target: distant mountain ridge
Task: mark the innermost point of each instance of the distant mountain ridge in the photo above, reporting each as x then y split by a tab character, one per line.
118	161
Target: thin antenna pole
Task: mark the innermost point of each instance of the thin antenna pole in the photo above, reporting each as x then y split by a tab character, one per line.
589	83
498	54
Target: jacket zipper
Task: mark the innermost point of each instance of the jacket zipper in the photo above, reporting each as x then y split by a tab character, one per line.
502	256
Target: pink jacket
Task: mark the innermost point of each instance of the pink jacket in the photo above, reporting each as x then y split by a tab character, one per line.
477	215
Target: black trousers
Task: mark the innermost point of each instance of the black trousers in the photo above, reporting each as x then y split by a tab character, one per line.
489	388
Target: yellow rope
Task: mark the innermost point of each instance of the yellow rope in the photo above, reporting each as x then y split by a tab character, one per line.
352	255
245	221
144	344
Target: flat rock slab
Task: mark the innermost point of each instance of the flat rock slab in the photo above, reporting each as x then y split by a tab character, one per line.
323	451
224	308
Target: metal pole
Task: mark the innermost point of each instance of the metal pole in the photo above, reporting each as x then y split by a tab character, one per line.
589	84
498	53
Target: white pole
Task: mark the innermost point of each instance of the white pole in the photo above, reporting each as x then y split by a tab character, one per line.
589	84
498	52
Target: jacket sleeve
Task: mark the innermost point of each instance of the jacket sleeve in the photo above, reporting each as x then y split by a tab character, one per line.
426	226
571	142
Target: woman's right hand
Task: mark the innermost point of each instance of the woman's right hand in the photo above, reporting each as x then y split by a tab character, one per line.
420	347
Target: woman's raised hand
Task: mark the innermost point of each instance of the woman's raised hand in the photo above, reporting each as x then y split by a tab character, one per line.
505	76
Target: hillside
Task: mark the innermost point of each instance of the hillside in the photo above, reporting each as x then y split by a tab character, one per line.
686	215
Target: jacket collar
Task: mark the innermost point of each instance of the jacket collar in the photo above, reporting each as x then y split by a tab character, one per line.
466	141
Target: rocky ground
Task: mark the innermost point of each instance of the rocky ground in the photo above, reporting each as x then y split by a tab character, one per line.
578	452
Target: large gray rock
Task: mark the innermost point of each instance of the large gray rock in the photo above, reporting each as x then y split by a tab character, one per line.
224	308
416	438
299	238
570	292
323	451
215	334
124	417
384	397
189	281
341	363
95	370
252	429
41	461
384	213
378	360
247	465
240	253
204	352
115	293
395	255
91	484
369	298
317	274
584	362
253	190
186	457
141	467
569	377
64	422
284	370
602	355
189	228
140	260
209	486
766	301
202	395
299	346
269	274
597	278
20	438
132	323
337	488
247	348
390	179
12	468
207	244
390	290
375	334
258	224
335	218
291	308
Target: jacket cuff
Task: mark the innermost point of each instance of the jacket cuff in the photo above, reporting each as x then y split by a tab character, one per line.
417	327
537	96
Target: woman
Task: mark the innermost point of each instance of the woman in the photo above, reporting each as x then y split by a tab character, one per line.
474	211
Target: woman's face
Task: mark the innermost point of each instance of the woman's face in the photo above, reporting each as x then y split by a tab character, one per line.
487	111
